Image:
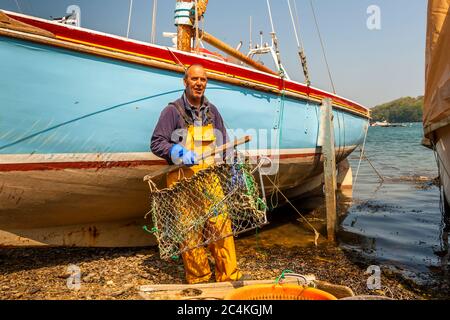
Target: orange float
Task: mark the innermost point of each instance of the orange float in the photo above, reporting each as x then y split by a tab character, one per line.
278	292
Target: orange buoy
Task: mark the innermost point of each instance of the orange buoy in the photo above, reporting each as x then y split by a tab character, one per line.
278	292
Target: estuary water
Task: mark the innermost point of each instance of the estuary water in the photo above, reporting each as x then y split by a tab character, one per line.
396	219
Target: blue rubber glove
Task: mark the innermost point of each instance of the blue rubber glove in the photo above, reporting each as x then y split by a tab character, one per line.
190	158
181	155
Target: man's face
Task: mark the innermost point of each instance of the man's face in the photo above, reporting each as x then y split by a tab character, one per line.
195	82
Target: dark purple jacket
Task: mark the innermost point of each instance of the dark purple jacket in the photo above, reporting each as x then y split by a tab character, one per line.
170	121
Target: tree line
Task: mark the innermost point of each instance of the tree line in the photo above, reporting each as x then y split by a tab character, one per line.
407	109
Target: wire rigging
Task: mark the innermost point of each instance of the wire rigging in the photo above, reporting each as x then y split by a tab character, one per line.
323	46
129	18
155	8
18	6
301	51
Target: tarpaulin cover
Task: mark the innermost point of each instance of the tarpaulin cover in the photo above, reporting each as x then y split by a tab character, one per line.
437	70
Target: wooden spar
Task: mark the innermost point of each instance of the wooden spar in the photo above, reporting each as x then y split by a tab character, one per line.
186	32
233	52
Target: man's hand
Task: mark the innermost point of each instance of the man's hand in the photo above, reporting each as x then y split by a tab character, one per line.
181	155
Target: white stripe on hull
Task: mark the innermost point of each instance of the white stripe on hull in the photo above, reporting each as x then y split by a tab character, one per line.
131	156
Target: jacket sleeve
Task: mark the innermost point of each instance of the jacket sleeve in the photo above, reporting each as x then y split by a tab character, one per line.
161	139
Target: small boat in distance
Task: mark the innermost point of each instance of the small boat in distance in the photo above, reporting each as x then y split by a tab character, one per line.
387	124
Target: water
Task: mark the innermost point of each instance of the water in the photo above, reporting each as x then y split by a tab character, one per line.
398	222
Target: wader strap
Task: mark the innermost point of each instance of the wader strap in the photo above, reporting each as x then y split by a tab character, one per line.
182	112
188	120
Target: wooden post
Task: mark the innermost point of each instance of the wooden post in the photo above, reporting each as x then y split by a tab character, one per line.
329	164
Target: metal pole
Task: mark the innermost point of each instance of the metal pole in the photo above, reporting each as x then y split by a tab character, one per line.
155	8
270	15
250	43
129	18
329	164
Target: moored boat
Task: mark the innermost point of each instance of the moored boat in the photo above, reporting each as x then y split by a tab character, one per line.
78	108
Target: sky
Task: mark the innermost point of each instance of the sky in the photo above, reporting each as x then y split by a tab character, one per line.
369	66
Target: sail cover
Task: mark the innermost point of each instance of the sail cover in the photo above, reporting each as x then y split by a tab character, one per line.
437	69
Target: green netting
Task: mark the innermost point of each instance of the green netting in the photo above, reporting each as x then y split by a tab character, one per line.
218	202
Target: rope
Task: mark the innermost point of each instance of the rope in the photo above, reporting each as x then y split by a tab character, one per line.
316	233
364	156
270	16
361	155
293	24
323	46
374	169
277	280
177	61
297	19
300	44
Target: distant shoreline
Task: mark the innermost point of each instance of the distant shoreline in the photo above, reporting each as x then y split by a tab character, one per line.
403	110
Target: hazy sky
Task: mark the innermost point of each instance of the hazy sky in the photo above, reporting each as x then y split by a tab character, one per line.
368	66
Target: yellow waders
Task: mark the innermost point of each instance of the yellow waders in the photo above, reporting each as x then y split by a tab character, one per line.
196	265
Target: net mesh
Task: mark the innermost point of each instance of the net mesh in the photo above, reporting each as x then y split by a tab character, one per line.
215	203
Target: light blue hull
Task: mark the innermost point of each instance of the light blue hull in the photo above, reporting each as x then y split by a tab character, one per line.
56	104
56	101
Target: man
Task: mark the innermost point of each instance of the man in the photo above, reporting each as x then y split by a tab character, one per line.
187	128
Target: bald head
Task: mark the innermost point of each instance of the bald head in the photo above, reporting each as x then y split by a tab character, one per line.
195	81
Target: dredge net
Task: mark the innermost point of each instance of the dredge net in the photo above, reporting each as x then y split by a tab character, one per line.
215	203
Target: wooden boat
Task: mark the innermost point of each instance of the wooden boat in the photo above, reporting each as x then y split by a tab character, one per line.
78	109
437	88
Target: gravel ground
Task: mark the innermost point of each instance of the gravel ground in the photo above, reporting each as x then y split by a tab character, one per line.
42	273
109	274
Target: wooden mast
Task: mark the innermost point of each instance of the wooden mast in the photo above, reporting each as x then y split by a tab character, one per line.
185	34
186	31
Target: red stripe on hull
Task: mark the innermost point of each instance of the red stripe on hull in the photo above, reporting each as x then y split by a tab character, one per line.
303	155
8	167
161	53
77	165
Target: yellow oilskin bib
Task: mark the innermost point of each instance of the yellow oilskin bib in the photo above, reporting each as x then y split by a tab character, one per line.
202	139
